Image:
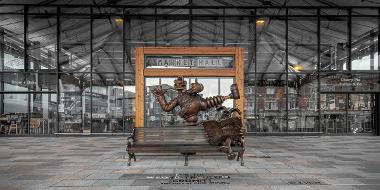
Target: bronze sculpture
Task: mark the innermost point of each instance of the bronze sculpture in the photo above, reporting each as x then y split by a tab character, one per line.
226	132
190	101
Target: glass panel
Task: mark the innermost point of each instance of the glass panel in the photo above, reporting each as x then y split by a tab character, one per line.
140	32
360	113
152	107
302	103
225	84
302	11
333	113
364	43
271	11
74	106
11	9
84	10
29	81
43	113
302	49
212	87
42	38
16	82
334	12
12	36
108	35
270	45
15	114
271	103
107	10
207	32
169	32
42	10
334	40
129	107
366	11
249	108
107	103
236	32
75	44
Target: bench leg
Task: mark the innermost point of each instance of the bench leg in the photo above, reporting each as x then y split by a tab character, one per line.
186	159
241	155
130	156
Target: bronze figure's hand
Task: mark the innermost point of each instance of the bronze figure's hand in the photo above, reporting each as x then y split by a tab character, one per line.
158	91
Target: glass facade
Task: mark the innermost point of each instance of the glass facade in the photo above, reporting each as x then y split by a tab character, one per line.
71	69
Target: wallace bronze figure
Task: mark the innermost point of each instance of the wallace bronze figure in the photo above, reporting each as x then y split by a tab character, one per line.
190	101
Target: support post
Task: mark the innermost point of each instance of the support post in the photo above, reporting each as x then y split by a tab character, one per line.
186	159
57	58
2	48
377	114
91	64
286	68
319	69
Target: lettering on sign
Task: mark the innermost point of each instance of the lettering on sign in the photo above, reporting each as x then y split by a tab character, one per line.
189	61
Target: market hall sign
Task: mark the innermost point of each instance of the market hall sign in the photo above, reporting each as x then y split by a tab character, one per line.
189	61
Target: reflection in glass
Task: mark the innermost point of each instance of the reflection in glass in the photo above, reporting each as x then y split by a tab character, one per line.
271	104
74	106
271	45
15	114
302	103
360	113
334	40
75	44
302	48
42	40
12	36
43	114
364	52
333	113
108	56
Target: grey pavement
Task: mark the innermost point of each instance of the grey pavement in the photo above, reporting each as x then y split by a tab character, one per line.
326	162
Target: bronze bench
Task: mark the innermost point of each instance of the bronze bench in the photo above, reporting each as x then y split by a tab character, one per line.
184	140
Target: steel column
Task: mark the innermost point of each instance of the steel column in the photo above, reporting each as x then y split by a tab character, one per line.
319	69
2	49
91	64
57	56
286	67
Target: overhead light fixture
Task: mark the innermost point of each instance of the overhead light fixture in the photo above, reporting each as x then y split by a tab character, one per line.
298	67
119	21
260	21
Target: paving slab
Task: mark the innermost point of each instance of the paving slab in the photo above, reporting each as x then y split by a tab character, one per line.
326	162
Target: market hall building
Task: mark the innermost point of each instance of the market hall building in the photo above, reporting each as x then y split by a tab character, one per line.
88	68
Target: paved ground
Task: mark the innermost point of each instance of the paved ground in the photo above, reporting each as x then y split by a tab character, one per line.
336	162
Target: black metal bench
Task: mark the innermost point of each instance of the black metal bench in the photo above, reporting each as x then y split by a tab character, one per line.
184	140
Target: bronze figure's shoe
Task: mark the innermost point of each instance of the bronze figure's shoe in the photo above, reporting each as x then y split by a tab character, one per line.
224	149
231	156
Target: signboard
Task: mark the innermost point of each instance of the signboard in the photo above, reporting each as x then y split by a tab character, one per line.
357	82
188	61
